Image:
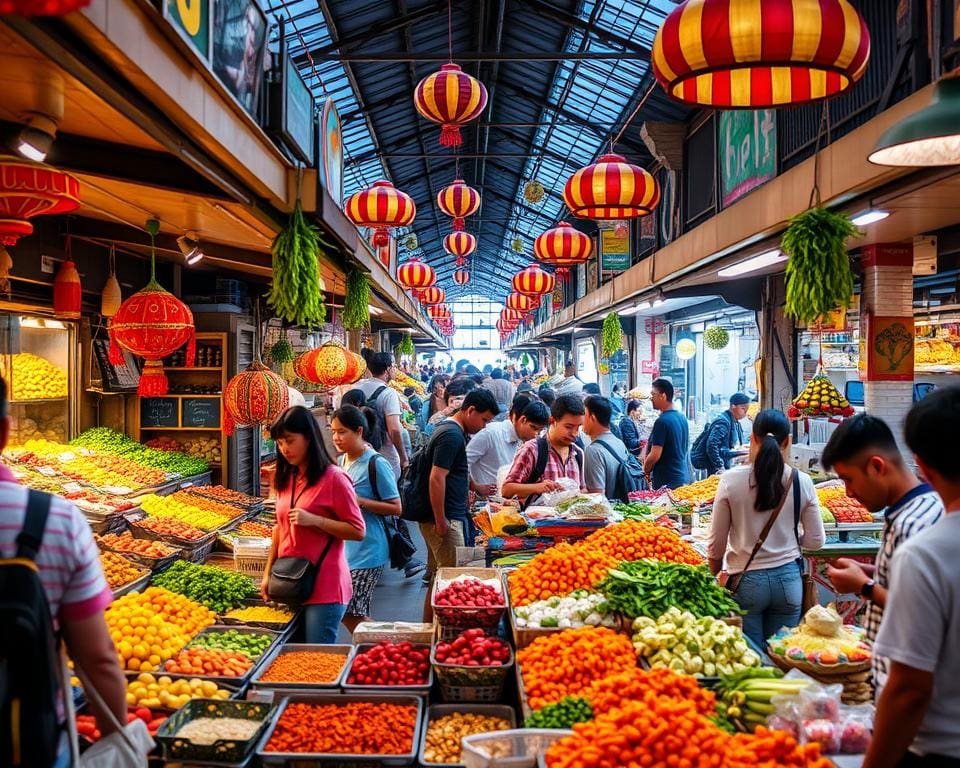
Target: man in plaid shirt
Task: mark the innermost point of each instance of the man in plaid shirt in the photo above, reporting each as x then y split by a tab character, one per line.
864	454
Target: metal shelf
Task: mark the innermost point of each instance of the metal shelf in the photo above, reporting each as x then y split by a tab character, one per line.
39	400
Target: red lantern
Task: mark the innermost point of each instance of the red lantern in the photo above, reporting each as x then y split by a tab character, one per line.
521	302
505	327
330	365
611	188
751	55
436	311
451	98
382	206
460	244
255	396
461	261
67	292
433	295
511	315
533	281
40	7
563	247
458	201
414	274
31	189
461	277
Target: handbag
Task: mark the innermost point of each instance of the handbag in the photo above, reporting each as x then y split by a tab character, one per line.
292	579
399	543
733	581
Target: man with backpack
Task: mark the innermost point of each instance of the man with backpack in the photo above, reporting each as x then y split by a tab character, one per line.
608	467
387	401
714	448
51	588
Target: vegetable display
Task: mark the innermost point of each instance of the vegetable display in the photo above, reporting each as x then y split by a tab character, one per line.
356	728
106	440
167	506
356	303
169	526
442	741
266	614
296	293
124	542
216	588
701	492
562	715
745	696
578	609
638	540
118	570
87	724
405	347
473	648
469	602
388	664
558	571
209	662
304	667
611	337
612	692
251	644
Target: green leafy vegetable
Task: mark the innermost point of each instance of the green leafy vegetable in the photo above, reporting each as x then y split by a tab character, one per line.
295	292
563	714
356	305
218	589
611	336
405	347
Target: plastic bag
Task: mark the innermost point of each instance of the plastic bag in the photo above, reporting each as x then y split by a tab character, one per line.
856	728
585	506
786	715
821	702
113	751
824	732
568	489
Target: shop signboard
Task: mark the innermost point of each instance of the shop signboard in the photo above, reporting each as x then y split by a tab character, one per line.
191	19
614	246
330	152
581	271
239	35
651	367
888	344
201	413
748	151
295	116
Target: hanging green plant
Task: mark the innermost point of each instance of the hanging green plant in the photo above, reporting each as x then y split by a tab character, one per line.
610	337
819	277
282	352
411	243
533	191
405	348
716	337
517	245
295	293
356	304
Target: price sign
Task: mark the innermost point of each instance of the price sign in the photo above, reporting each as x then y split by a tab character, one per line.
201	413
159	412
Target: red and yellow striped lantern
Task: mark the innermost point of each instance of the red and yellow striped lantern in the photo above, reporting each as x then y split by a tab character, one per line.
414	275
458	201
461	277
381	207
511	315
506	326
752	54
451	98
433	295
563	247
522	302
256	396
460	244
438	311
533	281
611	188
329	365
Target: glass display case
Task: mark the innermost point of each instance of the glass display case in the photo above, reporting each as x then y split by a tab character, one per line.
39	360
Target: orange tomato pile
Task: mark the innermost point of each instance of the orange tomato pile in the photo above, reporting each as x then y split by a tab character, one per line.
641	540
209	662
609	693
568	662
771	749
356	728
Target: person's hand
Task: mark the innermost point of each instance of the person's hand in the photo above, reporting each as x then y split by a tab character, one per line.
403	466
847	576
488	489
304	519
264	586
441	527
549	486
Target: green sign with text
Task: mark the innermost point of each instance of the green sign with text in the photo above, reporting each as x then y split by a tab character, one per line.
748	151
191	18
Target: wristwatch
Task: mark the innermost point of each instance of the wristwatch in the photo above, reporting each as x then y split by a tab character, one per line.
866	591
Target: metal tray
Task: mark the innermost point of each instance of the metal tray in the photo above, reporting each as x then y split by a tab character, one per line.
345	650
273	634
421	690
223	682
253	601
335	758
441	710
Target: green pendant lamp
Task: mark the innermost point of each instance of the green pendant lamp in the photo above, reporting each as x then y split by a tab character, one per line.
928	137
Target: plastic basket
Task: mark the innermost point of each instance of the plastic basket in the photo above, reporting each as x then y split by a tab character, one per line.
459	618
421	690
222	750
509	749
462	683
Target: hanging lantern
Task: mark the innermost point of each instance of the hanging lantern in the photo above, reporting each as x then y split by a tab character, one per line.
751	55
255	396
533	281
461	261
436	311
67	292
461	277
458	201
522	302
381	207
414	274
111	296
611	188
451	98
460	244
330	365
506	327
31	189
29	8
563	247
511	315
153	323
533	192
433	295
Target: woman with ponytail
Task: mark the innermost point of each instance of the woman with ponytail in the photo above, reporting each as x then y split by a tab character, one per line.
765	496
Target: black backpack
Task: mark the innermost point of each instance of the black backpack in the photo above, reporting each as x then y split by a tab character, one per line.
698	451
399	543
543	455
415	480
29	661
375	407
629	474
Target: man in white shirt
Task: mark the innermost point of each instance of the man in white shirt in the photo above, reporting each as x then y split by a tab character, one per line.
918	714
494	447
571	384
387	400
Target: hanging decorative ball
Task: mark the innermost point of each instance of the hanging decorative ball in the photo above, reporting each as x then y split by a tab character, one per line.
381	206
522	302
516	245
67	292
433	295
451	98
435	311
716	337
458	201
330	365
461	261
461	277
563	247
533	192
30	189
414	274
750	55
460	244
533	281
611	188
255	396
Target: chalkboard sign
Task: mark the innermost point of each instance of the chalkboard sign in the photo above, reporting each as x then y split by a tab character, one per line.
201	412
158	412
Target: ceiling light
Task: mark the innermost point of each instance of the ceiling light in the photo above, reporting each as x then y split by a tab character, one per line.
766	259
928	137
190	248
36	138
375	311
639	307
870	216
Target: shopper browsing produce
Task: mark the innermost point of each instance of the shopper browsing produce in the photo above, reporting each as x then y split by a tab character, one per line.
666	464
763	514
316	511
606	454
863	453
495	446
715	449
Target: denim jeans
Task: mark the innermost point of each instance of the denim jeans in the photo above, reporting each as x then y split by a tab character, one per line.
322	622
772	598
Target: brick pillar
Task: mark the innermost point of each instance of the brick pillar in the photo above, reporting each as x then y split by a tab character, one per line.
886	310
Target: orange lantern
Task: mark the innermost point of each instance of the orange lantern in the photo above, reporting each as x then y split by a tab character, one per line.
414	274
460	244
433	295
611	188
511	315
461	277
451	98
255	396
506	327
381	207
533	281
522	302
329	365
563	247
461	261
731	54
458	201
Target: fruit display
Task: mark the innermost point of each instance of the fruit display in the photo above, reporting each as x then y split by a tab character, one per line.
265	614
104	440
124	542
148	690
819	398
118	570
937	352
216	588
36	378
98	503
88	729
389	664
562	715
473	648
206	449
700	493
252	644
821	640
209	662
304	667
226	495
841	507
580	608
401	381
253	529
638	540
171	527
229	511
442	739
170	507
635	684
559	571
701	647
466	601
96	469
745	697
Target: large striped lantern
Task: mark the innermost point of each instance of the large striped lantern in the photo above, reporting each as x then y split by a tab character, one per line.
506	327
563	247
451	98
330	365
522	302
381	206
460	244
433	295
254	397
511	316
438	311
533	281
414	275
461	277
753	54
458	201
610	189
30	189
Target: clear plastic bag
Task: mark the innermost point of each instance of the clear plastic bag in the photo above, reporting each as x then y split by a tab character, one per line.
856	728
786	715
509	749
824	732
821	702
569	489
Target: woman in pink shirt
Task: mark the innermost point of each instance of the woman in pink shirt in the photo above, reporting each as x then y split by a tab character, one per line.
316	507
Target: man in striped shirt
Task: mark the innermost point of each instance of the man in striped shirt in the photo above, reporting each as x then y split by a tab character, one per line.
863	453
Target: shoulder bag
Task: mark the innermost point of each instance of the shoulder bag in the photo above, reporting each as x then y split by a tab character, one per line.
401	547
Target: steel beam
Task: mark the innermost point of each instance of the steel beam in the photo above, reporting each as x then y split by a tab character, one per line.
545	9
442	56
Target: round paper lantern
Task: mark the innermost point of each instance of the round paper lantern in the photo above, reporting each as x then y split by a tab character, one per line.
435	311
533	281
458	201
505	327
511	315
30	189
611	188
382	206
330	365
563	247
433	295
750	55
255	396
111	297
460	244
451	98
414	274
461	277
66	292
521	302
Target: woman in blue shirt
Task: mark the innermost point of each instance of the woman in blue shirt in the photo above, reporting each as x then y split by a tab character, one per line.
356	438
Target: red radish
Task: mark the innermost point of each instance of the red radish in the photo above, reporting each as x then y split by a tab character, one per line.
473	648
391	664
